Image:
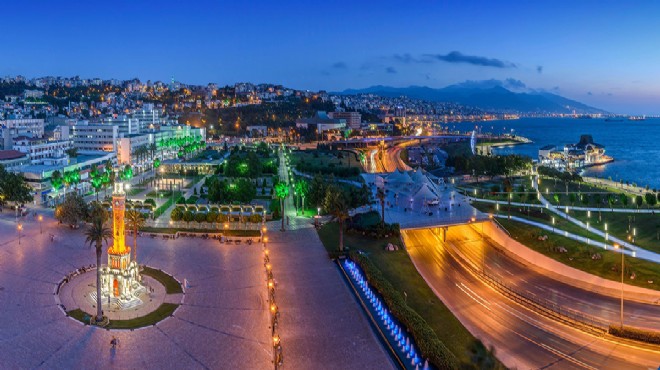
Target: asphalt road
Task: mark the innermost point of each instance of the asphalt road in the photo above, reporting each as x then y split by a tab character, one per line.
522	278
522	338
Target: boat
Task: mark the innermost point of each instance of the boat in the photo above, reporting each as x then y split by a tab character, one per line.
613	119
637	118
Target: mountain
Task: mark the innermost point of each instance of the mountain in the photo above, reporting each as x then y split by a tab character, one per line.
489	95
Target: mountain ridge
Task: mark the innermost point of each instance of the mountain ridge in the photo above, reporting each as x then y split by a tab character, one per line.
489	95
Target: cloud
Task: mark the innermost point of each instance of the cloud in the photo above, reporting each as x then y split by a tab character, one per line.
340	65
458	57
509	83
405	58
539	69
589	93
390	70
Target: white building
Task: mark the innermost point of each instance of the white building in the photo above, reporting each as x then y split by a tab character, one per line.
32	127
94	137
42	151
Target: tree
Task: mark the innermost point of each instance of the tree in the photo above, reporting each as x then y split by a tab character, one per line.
72	210
639	201
13	188
188	216
200	217
282	191
335	204
381	197
611	198
135	221
72	152
651	199
623	198
177	214
302	188
97	210
56	180
96	235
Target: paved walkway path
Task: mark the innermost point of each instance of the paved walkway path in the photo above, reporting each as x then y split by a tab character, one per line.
570	208
321	324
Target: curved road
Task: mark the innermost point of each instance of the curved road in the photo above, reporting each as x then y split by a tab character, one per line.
525	278
523	338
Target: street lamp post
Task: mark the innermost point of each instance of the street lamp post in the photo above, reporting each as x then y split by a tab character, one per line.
41	230
19	228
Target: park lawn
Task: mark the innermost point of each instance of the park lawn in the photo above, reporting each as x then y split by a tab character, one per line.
484	190
549	187
325	158
135	190
535	214
646	226
401	273
579	256
163	311
171	285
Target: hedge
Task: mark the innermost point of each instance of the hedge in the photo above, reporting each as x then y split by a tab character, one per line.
160	210
427	340
635	334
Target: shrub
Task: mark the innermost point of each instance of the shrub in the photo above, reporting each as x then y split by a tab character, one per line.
211	216
150	201
176	214
427	340
635	334
200	217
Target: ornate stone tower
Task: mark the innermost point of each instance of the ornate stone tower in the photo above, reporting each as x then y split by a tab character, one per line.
120	279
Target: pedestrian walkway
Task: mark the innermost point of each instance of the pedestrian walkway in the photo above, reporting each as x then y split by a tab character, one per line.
570	208
321	325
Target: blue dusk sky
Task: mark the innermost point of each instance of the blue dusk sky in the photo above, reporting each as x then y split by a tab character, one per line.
603	53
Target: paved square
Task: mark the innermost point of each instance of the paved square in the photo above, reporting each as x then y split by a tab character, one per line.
222	324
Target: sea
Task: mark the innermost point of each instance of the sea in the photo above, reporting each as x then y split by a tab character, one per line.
634	145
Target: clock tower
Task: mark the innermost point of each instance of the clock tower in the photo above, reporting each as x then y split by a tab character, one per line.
120	279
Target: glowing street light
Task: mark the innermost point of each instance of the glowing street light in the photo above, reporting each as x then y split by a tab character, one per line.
41	229
19	227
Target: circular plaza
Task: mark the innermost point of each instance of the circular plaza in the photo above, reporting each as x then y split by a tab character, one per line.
220	320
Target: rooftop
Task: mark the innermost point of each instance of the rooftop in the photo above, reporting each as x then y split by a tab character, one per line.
10	154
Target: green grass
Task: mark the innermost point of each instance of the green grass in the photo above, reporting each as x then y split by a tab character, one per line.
324	158
401	273
549	187
579	256
163	311
535	214
133	191
645	225
171	285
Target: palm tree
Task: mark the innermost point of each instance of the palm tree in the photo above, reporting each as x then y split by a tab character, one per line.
96	235
335	204
135	222
381	196
282	190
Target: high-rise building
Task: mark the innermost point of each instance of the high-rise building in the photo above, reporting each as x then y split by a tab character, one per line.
353	119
